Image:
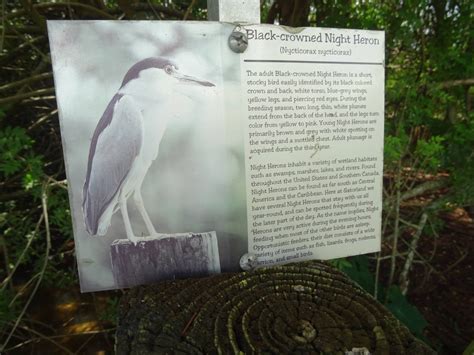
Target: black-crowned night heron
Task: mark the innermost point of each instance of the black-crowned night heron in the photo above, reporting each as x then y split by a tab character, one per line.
127	139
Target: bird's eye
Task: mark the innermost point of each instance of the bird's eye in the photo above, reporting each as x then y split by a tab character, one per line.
168	69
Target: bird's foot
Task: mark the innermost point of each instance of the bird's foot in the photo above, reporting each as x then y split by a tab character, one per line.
135	240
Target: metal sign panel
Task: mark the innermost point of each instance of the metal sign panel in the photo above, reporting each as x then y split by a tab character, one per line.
188	145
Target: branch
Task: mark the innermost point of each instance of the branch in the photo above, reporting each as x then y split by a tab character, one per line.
86	8
419	190
40	336
396	230
28	40
25	29
22	255
30	79
42	119
39	20
299	16
272	13
9	56
44	204
51	338
188	10
160	8
411	254
126	7
26	95
2	38
13	195
460	82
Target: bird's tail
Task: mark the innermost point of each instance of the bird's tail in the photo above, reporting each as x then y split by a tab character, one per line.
104	221
89	219
97	224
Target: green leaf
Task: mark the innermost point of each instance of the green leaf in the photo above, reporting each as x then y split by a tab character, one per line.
470	349
406	312
394	148
340	264
430	152
13	142
360	273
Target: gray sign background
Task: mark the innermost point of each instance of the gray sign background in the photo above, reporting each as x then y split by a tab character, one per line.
197	183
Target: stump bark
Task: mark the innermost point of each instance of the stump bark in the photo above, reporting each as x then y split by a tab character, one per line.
298	308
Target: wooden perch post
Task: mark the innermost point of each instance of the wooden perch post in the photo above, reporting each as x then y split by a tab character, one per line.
303	308
154	259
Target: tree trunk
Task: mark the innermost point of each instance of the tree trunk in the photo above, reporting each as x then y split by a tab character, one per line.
292	13
298	308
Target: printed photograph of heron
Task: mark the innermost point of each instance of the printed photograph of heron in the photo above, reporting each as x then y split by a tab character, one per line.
153	149
127	139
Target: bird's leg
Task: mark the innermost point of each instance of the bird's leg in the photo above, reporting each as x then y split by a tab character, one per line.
126	221
137	196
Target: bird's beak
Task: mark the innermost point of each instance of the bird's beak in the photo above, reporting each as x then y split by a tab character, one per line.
191	80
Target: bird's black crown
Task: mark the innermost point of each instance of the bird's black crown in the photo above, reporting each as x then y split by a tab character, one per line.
152	62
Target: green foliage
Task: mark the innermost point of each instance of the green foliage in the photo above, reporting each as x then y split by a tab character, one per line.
18	228
394	148
13	142
429	128
8	309
22	171
359	272
470	349
60	215
406	312
340	264
17	157
460	160
110	312
430	152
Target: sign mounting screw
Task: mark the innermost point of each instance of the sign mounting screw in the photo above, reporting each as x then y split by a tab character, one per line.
238	41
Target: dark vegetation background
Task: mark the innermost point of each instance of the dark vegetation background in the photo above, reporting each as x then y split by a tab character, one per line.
424	273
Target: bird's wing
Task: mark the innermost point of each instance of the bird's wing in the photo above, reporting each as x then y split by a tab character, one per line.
117	140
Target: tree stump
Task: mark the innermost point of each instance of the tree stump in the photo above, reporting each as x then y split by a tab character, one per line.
298	308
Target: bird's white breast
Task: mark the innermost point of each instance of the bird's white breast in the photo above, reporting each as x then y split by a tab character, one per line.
154	94
154	123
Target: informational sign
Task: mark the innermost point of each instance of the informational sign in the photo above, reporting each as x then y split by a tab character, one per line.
314	113
183	155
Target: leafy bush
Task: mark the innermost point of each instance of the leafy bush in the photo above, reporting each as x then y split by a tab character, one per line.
429	136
